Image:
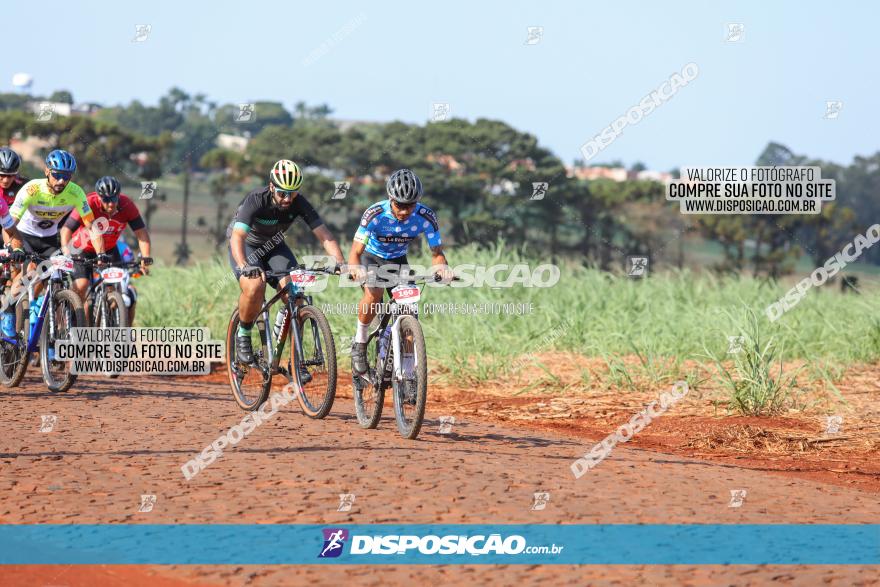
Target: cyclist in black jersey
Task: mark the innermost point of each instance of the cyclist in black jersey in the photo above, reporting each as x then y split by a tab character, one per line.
256	242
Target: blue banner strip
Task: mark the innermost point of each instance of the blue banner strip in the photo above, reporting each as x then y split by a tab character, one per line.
269	544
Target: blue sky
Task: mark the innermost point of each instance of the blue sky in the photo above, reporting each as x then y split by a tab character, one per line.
594	62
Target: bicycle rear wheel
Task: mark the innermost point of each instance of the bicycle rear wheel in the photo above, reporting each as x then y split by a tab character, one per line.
411	391
369	390
250	383
319	360
68	313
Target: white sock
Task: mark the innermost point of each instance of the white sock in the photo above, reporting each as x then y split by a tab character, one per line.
363	332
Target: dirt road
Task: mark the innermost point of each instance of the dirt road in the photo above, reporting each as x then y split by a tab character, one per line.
113	441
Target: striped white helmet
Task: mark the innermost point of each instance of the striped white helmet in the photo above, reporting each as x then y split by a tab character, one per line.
286	175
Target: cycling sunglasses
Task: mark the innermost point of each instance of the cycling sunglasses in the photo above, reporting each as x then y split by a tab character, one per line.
409	206
61	175
109	199
284	194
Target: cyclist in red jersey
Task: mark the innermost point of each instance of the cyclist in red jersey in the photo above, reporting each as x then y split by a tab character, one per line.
113	211
10	180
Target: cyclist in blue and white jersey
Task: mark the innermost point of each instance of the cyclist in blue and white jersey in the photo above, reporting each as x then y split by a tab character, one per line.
381	240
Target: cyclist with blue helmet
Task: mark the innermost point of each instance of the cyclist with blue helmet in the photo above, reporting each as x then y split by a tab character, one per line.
381	243
41	205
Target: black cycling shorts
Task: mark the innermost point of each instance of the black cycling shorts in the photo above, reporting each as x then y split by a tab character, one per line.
277	258
84	269
390	268
41	245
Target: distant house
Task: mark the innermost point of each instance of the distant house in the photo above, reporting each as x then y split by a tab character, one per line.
47	109
661	176
591	173
447	162
31	149
232	142
616	174
527	163
86	108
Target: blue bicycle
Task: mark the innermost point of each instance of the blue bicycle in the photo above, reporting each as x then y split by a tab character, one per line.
60	310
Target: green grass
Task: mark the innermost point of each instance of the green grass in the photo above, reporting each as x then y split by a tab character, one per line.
757	383
662	320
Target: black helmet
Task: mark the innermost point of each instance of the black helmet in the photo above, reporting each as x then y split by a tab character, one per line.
404	186
9	161
108	188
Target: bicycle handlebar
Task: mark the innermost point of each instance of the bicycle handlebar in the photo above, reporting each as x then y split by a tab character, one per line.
286	272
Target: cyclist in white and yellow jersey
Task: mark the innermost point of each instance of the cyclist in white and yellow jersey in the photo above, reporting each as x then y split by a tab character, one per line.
41	205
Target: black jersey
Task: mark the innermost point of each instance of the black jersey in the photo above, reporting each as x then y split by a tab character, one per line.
262	219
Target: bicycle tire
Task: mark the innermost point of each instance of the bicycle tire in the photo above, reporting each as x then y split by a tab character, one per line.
117	314
314	409
369	398
61	297
409	427
233	369
17	359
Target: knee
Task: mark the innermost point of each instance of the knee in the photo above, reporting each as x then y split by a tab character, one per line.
373	295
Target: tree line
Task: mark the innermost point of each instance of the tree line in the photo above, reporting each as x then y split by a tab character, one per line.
478	175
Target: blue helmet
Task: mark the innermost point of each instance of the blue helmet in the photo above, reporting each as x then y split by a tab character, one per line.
60	160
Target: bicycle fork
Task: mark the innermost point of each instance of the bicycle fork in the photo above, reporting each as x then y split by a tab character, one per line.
396	345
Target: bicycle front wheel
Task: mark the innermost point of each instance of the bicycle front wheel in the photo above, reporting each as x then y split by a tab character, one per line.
116	315
315	371
250	383
13	356
68	313
411	388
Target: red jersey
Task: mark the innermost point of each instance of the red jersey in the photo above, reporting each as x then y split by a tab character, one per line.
126	214
9	195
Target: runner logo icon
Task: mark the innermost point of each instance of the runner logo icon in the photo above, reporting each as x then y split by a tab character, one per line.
334	540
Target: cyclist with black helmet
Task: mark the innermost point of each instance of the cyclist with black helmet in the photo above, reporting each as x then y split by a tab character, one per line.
10	180
381	240
113	211
256	242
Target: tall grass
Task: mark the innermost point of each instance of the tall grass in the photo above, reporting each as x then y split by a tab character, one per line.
662	320
757	383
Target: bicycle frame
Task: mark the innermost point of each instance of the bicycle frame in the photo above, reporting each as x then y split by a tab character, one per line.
274	358
397	311
97	286
47	309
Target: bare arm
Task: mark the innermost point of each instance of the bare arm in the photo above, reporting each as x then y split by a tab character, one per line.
329	243
96	236
12	236
439	265
236	245
143	237
355	270
66	234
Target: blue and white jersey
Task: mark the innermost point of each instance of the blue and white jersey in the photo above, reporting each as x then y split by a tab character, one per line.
387	237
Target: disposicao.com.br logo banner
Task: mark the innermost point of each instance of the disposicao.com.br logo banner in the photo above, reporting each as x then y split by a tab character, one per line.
430	543
469	544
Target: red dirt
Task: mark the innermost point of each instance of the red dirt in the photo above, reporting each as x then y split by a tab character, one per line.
118	439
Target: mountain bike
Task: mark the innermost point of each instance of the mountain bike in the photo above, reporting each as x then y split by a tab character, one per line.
106	294
312	359
396	358
106	305
60	311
